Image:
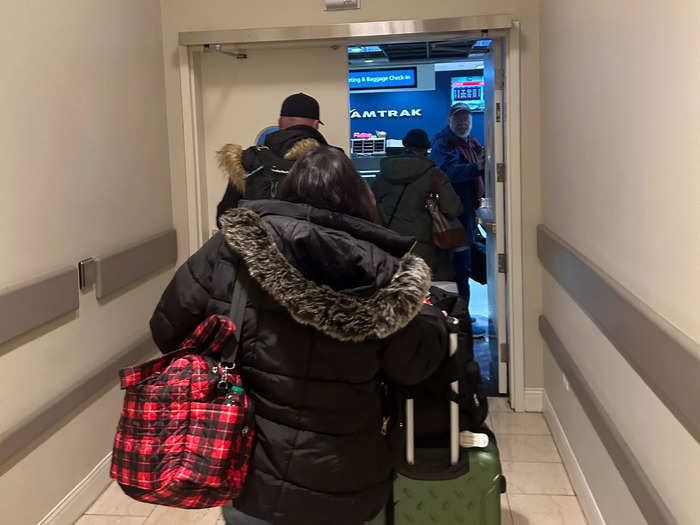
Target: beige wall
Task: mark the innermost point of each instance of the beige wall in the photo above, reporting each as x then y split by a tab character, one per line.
241	97
84	167
620	182
183	15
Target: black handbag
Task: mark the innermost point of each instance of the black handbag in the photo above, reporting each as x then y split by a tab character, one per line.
478	259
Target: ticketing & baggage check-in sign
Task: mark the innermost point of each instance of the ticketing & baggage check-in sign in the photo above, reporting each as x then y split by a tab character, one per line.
382	78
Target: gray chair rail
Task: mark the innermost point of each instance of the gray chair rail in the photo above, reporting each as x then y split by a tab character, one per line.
127	266
37	426
664	357
642	489
27	306
31	304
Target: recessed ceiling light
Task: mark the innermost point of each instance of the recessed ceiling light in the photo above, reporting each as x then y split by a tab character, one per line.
364	49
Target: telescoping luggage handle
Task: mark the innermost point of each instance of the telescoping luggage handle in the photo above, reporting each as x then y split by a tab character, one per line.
453	329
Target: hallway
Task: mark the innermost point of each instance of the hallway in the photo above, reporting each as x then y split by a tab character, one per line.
115	111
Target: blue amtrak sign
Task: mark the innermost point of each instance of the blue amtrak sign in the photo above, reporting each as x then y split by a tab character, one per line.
386	113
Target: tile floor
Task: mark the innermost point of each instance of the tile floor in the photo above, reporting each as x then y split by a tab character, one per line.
539	491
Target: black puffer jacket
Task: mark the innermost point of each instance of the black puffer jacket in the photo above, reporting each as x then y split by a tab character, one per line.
401	189
335	304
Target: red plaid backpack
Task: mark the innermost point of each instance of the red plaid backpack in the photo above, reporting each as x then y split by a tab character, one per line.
186	429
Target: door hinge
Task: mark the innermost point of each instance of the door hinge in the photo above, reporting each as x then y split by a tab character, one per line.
498	112
499	78
502	263
489	227
500	172
505	353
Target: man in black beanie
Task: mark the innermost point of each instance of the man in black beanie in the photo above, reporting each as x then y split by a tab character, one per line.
257	172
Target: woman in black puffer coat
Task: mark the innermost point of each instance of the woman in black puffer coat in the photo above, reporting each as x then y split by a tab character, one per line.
335	304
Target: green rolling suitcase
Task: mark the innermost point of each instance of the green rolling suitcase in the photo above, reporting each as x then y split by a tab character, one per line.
455	486
472	498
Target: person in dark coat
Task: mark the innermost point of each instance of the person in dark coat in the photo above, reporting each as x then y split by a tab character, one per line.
336	304
256	173
462	158
401	189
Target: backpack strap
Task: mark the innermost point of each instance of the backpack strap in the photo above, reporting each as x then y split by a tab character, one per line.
273	162
237	312
263	182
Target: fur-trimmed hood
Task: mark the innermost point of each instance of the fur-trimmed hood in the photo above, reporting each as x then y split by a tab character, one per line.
289	144
332	279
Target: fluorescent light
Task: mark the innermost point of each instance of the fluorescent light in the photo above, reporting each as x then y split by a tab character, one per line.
459	66
364	49
482	43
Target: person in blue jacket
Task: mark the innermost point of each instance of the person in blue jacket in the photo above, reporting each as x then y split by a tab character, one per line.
462	158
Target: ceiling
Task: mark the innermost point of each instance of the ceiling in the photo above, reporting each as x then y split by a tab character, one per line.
430	51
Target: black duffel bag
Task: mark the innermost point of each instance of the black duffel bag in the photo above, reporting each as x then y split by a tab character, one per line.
430	395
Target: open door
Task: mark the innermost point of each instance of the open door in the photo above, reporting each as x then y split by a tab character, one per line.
241	94
492	211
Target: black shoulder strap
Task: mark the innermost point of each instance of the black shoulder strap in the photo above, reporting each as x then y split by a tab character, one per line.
396	206
238	303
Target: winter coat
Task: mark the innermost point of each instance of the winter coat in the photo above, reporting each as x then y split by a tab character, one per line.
401	189
281	149
334	304
462	174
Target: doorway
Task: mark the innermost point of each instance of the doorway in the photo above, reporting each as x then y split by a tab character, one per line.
269	64
399	86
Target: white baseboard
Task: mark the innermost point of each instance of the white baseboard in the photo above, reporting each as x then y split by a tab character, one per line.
534	399
78	500
578	479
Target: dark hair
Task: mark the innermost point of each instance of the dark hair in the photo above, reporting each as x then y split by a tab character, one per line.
416	139
325	178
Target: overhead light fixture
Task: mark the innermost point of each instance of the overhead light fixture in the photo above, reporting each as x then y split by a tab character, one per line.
482	43
369	61
364	49
459	66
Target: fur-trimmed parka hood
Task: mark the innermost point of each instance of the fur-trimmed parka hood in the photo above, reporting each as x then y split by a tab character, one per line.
348	278
289	144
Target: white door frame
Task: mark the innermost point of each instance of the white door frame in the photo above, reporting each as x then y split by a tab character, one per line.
514	221
340	34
